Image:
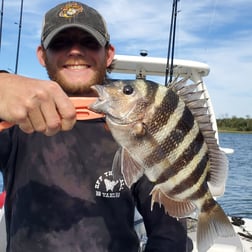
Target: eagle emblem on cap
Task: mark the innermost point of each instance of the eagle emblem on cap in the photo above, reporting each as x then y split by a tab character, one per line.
70	10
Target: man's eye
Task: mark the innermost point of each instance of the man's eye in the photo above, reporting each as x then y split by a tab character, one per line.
59	44
90	43
65	43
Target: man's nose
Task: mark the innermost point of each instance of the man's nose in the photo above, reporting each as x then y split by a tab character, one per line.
77	49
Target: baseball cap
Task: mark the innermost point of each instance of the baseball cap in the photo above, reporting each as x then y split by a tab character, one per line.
74	14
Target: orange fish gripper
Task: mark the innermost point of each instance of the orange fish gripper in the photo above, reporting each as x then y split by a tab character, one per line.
81	105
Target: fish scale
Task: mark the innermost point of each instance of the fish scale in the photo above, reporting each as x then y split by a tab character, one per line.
166	134
163	131
165	106
186	186
180	162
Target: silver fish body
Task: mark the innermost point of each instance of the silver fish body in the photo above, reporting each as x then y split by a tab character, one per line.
166	134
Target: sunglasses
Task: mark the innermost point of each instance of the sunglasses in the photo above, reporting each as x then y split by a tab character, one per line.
65	42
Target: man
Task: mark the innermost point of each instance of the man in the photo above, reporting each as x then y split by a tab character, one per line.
61	195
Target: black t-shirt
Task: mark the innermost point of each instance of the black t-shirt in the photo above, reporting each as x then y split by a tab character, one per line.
61	195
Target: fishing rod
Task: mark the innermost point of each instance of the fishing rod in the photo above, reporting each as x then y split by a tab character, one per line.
1	23
19	35
171	43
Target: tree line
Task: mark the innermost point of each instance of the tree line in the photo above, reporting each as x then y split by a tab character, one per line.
235	124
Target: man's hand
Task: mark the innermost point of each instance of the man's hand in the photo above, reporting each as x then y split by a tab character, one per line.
35	105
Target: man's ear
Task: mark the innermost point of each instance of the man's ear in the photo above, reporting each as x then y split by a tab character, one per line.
41	55
110	55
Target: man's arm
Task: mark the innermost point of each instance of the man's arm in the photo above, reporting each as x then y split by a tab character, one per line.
35	105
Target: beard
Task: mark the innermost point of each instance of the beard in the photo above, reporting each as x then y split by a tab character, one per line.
80	88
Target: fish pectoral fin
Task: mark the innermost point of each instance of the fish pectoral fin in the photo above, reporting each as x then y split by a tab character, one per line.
131	169
173	207
212	223
124	165
116	165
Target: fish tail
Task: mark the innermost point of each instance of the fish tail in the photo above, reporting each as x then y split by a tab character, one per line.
212	223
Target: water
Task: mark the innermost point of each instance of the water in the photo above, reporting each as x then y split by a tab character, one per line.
237	200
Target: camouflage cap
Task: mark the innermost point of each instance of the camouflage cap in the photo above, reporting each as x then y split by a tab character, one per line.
73	14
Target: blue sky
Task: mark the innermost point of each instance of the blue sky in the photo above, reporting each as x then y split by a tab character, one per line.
218	33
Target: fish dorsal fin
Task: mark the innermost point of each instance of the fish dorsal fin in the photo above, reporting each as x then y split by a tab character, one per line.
194	99
124	164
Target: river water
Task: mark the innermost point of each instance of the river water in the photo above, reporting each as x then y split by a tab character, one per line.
237	199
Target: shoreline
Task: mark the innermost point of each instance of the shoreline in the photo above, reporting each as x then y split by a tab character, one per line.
234	131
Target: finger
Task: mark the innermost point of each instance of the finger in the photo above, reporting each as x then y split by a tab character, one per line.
37	120
66	110
26	126
51	117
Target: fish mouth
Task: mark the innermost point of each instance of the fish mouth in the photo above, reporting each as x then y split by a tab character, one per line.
102	105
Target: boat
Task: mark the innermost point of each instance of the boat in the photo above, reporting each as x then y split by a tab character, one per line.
141	67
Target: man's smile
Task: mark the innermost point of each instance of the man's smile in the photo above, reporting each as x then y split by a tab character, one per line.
76	67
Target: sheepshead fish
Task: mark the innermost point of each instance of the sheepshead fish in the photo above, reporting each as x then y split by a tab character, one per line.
166	134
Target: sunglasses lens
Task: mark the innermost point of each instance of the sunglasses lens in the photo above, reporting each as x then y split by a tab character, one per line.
65	42
60	44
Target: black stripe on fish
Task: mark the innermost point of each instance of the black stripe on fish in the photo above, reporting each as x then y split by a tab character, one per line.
149	94
152	92
208	205
182	128
162	150
184	159
164	111
191	180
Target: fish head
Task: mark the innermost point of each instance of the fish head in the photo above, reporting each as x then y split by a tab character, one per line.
123	102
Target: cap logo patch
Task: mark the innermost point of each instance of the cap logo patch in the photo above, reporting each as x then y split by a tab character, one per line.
70	10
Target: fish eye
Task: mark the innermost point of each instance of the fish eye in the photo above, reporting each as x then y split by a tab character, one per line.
128	89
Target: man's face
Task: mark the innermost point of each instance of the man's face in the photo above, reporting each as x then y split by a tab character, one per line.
76	61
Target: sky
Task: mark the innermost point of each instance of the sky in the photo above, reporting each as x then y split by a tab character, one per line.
218	33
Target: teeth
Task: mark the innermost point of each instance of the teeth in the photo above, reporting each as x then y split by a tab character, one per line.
77	67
